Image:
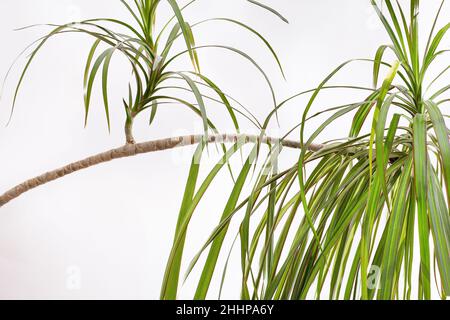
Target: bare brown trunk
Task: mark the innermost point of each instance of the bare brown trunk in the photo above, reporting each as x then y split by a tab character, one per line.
132	149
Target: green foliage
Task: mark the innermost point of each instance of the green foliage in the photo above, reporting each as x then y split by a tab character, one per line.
324	226
150	55
361	201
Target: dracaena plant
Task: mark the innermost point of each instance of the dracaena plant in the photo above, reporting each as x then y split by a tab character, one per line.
345	221
349	212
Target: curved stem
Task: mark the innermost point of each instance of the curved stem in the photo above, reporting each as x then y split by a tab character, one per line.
130	150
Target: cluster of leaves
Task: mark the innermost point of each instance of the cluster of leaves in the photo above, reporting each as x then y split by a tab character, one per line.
356	207
149	52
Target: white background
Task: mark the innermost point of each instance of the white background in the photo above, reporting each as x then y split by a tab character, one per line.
113	224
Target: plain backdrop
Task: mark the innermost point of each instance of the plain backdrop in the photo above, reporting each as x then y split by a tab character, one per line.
106	232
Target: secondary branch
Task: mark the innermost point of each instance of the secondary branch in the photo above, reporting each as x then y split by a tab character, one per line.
130	150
